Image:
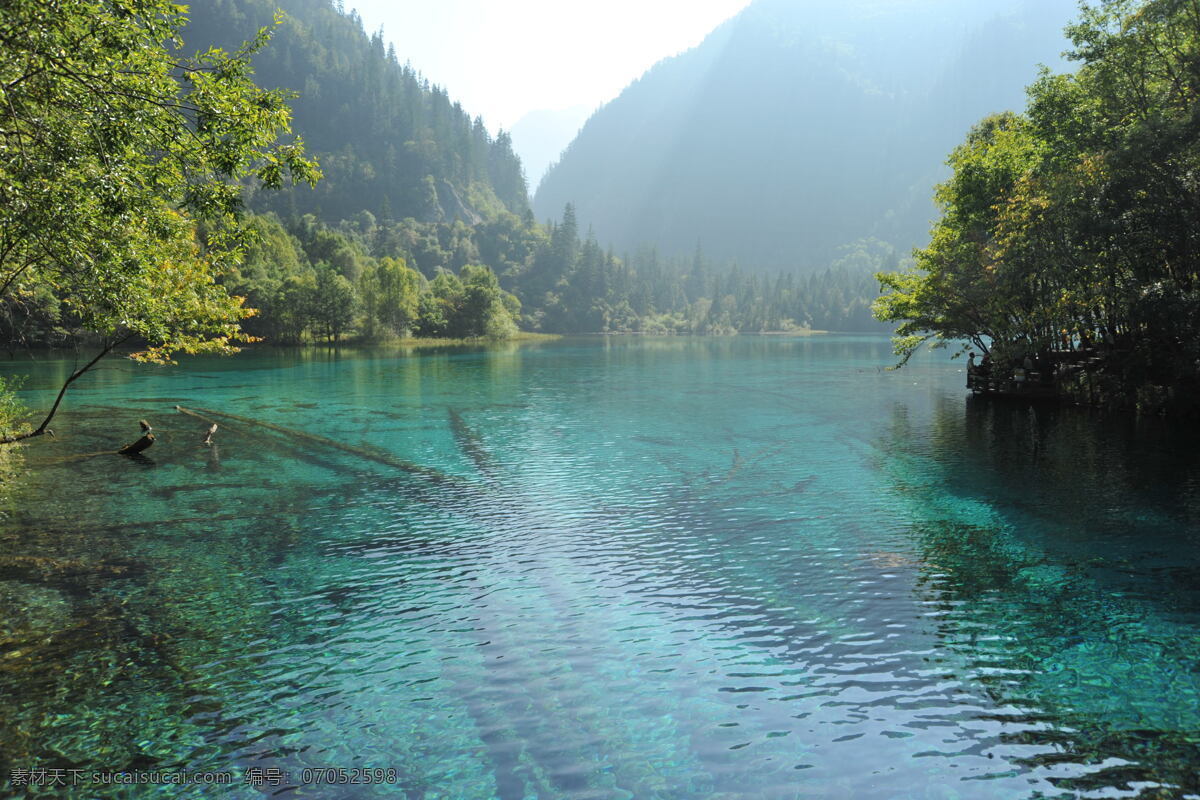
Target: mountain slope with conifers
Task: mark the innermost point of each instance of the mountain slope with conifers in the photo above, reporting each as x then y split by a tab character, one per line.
406	205
388	141
797	128
421	225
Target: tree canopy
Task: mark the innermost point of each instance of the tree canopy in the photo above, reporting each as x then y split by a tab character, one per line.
123	191
1074	223
113	142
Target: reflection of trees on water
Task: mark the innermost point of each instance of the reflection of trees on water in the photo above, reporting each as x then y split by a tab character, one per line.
1060	548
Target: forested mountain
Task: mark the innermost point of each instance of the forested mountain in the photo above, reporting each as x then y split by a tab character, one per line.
797	128
799	141
421	224
387	140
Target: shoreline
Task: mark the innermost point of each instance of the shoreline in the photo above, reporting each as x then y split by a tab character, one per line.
523	337
797	332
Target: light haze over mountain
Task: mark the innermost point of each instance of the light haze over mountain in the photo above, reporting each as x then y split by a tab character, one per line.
797	128
540	136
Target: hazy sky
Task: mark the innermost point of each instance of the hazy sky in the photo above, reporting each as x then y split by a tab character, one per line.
504	58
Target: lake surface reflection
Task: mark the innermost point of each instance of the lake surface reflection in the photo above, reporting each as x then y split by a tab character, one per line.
759	567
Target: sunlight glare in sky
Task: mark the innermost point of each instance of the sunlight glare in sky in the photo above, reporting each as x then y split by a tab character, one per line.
502	60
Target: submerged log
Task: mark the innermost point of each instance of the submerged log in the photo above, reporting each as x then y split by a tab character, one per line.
133	448
191	413
209	431
471	444
361	451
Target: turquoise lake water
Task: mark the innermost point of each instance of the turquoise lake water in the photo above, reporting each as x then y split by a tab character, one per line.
754	567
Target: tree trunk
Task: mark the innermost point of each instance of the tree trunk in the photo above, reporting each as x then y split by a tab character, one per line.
134	448
44	427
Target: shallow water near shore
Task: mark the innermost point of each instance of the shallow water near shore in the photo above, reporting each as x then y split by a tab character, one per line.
754	567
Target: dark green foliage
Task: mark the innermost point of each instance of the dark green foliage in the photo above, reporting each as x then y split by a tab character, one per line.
416	183
551	282
391	295
300	282
333	303
35	317
1073	227
435	236
576	287
12	409
387	140
484	309
114	146
432	316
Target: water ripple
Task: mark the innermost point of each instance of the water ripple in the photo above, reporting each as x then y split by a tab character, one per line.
610	591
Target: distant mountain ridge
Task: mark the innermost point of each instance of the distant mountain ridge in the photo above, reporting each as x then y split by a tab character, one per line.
795	129
540	136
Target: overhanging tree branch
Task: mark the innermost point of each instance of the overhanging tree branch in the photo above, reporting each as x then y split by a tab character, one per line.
44	427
